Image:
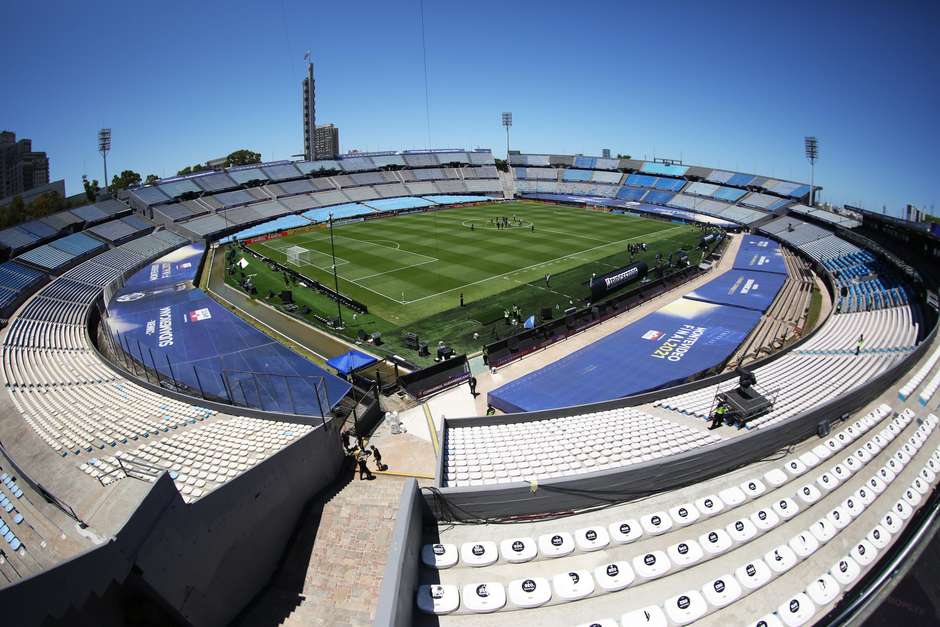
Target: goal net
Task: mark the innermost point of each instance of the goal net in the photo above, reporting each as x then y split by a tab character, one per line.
295	255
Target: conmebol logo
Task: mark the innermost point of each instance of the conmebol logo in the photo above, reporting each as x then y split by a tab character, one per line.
652	335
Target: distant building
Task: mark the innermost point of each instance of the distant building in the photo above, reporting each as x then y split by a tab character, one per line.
605	153
310	113
327	141
21	169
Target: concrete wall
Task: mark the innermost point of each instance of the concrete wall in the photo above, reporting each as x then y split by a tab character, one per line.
400	579
207	560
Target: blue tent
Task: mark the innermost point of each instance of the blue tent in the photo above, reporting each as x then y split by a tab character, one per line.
350	362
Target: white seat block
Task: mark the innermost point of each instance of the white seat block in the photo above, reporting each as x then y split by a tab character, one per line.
732	497
685	553
591	538
483	597
768	620
721	591
741	530
845	571
656	523
478	554
753	575
715	542
797	611
780	558
531	592
651	565
439	556
765	519
625	531
823	590
776	477
438	599
556	544
809	494
892	523
753	488
614	576
863	553
650	616
686	608
685	514
786	508
803	544
709	505
518	550
879	537
572	585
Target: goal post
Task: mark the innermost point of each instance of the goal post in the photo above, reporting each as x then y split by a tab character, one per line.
296	256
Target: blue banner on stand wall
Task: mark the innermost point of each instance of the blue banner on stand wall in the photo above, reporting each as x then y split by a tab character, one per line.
663	348
760	253
741	288
166	323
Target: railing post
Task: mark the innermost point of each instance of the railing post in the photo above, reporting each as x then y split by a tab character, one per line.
143	363
202	392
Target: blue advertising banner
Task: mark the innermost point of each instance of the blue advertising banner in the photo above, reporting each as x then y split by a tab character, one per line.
663	348
179	266
741	288
164	322
760	253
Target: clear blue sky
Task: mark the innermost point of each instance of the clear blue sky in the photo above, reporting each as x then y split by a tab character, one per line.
731	85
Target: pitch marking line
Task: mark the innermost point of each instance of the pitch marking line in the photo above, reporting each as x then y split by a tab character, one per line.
535	265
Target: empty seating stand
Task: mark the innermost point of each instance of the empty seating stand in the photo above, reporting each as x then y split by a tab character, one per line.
778	541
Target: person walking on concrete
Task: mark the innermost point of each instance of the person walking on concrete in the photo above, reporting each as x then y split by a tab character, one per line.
364	472
859	345
378	458
473	386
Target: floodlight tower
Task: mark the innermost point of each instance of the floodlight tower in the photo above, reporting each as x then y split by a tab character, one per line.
812	153
507	122
104	145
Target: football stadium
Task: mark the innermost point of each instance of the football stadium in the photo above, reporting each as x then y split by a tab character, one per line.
439	387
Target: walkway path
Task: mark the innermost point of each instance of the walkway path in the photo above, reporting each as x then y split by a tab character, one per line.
333	567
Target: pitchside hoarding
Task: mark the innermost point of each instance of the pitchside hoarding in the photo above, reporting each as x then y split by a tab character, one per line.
612	281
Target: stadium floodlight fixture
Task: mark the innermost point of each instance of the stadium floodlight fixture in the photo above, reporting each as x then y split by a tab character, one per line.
104	145
812	154
507	122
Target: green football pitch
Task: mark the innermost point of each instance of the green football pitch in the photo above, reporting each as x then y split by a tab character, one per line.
411	270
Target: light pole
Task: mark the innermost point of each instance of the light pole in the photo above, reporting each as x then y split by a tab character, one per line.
812	153
507	122
104	145
339	309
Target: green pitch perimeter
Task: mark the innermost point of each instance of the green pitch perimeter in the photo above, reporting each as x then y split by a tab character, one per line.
410	270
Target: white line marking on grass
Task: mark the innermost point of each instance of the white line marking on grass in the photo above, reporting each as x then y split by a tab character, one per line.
372	276
535	265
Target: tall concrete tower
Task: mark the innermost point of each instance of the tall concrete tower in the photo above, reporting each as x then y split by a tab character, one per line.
310	112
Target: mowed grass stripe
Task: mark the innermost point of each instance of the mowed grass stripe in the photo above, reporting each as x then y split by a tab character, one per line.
480	263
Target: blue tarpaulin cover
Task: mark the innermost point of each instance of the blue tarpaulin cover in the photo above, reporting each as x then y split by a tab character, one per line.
351	361
163	321
760	253
665	347
741	288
